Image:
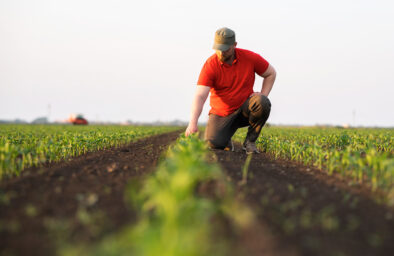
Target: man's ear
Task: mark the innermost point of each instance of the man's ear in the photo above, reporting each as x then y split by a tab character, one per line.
235	44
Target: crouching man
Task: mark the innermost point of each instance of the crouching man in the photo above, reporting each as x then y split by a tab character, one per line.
229	75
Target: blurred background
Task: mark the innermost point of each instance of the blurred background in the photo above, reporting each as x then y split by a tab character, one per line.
139	61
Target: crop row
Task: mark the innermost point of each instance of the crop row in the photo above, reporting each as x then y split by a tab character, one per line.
175	208
23	146
364	155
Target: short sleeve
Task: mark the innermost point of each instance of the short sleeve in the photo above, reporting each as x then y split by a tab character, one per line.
206	75
260	64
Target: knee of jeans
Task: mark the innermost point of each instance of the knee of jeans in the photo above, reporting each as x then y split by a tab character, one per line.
263	101
261	105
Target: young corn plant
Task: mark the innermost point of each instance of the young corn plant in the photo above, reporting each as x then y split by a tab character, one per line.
175	218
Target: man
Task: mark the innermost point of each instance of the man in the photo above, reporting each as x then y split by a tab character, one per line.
229	75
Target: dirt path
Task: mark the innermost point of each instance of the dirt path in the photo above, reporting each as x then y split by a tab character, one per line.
76	200
306	211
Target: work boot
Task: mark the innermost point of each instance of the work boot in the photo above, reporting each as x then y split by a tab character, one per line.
250	147
230	146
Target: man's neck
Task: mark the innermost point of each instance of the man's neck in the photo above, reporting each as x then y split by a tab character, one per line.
231	60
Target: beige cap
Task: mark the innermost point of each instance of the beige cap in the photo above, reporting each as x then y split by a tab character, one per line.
224	39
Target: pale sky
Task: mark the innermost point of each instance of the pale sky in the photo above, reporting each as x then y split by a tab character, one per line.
140	60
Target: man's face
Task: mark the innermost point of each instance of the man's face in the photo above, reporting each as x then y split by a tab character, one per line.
226	55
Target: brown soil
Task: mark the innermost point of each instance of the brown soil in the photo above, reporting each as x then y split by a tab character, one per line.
76	200
303	211
300	210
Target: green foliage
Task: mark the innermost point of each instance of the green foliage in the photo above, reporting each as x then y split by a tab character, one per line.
365	155
23	146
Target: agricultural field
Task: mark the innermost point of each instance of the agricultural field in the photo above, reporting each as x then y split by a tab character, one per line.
23	146
365	156
151	191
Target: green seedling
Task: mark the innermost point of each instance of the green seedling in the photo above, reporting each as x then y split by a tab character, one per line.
172	217
245	169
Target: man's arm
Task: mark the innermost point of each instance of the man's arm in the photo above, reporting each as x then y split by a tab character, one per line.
269	78
199	99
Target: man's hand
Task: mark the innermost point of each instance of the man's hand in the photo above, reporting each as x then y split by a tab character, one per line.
191	129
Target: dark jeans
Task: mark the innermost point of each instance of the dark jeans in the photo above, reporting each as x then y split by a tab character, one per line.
254	112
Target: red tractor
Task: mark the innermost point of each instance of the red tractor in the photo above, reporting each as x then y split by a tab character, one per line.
78	120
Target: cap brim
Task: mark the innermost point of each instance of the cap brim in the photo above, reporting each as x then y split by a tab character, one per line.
221	47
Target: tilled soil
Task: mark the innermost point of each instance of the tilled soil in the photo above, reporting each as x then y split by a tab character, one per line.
80	199
299	210
304	211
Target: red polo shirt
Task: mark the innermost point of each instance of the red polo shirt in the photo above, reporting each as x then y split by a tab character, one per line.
231	85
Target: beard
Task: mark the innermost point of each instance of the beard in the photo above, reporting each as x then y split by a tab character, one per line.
225	58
